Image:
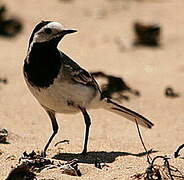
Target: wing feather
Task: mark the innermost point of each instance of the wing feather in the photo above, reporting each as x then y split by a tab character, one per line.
78	74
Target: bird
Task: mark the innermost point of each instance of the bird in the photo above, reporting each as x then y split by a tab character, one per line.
60	85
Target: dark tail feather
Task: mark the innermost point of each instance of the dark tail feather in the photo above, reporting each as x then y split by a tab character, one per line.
127	113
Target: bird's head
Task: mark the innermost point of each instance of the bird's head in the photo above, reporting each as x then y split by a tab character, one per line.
49	32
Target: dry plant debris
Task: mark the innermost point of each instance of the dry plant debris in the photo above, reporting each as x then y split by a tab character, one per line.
63	141
176	153
147	34
169	92
32	163
155	171
9	27
21	172
70	168
115	86
35	161
3	135
3	80
100	164
159	172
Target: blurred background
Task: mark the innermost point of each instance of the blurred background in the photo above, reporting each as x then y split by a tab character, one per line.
138	41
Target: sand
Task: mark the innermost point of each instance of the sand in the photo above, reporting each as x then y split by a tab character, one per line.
100	23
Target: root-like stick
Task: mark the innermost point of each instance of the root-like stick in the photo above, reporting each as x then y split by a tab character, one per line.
140	136
164	171
63	141
176	154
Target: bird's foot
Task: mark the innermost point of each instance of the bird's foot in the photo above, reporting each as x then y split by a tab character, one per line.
84	152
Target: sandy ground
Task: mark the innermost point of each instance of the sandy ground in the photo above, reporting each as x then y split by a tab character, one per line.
112	138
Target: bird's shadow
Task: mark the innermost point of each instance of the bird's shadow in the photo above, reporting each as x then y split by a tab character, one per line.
92	157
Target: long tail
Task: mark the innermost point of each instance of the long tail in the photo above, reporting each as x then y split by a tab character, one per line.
127	113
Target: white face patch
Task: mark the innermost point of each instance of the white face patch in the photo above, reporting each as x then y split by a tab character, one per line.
43	36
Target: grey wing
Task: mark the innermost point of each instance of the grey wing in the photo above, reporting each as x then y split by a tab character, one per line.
78	74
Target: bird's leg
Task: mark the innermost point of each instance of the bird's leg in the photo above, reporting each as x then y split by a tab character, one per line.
54	127
87	123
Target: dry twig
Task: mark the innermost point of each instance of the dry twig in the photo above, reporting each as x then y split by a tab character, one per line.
176	154
155	171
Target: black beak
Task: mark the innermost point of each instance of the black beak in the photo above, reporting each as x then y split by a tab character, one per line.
68	31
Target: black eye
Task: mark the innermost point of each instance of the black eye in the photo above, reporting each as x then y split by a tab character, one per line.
48	30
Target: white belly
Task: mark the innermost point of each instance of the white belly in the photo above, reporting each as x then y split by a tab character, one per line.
66	98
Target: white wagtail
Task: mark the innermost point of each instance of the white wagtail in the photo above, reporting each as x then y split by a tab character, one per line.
60	85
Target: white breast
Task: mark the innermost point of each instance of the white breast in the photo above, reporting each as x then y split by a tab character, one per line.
61	95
